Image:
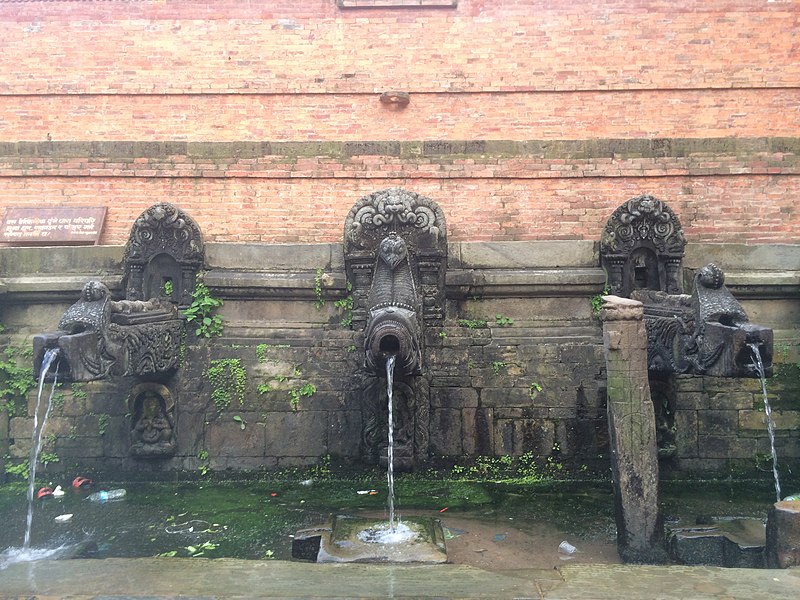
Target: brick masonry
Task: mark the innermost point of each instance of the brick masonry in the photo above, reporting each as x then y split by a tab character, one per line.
527	119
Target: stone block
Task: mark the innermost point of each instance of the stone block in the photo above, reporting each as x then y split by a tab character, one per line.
735	400
296	434
783	535
717	422
344	433
784	420
446	432
516	437
226	438
453	397
478	430
691	400
502	396
190	433
686	433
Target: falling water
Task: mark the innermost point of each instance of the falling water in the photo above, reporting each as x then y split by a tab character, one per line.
36	435
770	423
390	449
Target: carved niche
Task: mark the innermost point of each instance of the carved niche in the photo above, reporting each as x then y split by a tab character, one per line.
642	246
152	412
420	223
163	255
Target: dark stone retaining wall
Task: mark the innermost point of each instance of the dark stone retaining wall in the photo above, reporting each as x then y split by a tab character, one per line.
535	385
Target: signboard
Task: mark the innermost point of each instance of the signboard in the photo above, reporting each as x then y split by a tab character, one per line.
57	225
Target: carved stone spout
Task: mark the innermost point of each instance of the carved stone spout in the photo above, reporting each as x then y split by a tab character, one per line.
707	333
99	337
393	322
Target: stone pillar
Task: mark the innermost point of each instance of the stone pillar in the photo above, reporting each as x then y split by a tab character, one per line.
783	535
631	425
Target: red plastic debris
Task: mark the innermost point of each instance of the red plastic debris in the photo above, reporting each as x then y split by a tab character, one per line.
444	509
273	494
80	482
45	492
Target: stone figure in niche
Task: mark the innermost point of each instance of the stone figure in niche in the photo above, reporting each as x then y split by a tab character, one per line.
642	246
153	421
163	255
99	337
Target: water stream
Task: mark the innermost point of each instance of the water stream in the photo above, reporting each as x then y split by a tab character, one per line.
50	356
770	423
390	449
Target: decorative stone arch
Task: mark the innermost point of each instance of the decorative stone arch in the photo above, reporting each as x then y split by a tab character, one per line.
152	411
420	222
642	247
165	245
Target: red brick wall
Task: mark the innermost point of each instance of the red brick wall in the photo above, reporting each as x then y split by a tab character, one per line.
226	72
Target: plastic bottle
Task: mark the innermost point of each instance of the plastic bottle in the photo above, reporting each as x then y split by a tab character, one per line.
107	496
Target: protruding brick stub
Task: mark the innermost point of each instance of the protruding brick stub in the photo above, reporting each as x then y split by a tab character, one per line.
616	308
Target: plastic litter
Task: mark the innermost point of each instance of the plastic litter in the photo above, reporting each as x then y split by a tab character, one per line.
792	497
44	492
567	548
107	496
63	518
58	492
81	482
307	482
362	492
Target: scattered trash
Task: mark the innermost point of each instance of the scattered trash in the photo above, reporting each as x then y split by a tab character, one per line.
444	509
107	496
63	518
370	492
452	532
81	482
480	550
58	492
273	494
307	482
44	492
567	549
793	497
500	537
373	492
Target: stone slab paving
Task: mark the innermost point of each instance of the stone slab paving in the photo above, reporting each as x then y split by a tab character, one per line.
165	578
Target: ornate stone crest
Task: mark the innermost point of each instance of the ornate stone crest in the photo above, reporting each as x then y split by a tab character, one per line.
642	246
163	255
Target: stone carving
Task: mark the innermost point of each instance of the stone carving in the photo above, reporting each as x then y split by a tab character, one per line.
395	256
420	223
152	422
163	255
707	333
642	246
99	337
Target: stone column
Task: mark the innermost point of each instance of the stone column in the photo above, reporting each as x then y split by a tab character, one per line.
631	425
783	535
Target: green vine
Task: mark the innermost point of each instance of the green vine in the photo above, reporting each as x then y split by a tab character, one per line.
472	323
15	380
305	390
503	321
320	301
345	306
203	311
498	366
597	300
229	381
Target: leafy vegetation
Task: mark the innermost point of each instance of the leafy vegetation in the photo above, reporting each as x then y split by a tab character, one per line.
228	380
203	312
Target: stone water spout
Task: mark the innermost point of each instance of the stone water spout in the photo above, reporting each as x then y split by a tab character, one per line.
707	333
98	337
393	321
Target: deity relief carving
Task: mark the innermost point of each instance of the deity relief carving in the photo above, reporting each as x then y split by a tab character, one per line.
642	246
163	255
152	421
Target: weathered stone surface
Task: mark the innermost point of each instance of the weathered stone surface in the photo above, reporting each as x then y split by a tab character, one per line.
757	420
783	535
631	424
296	434
453	397
344	432
228	439
736	543
446	432
478	431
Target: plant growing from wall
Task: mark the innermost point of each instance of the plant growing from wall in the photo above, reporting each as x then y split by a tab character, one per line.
534	390
473	323
305	390
102	423
203	311
18	471
15	380
228	382
502	321
498	366
345	306
204	467
597	300
320	301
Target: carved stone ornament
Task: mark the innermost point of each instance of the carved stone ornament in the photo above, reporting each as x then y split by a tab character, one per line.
99	337
165	245
642	246
420	223
152	411
707	333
